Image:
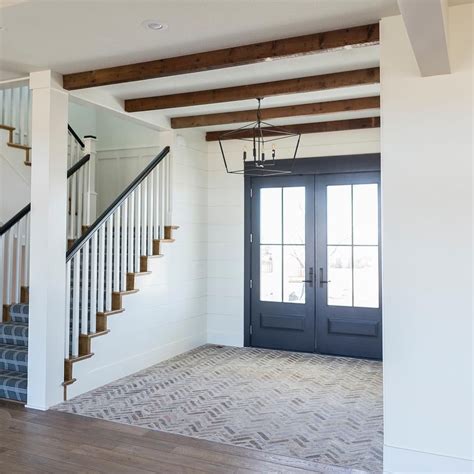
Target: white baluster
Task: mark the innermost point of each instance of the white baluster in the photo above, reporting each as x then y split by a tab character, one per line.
72	207
162	200
100	276
149	210
116	250
85	289
87	193
93	285
170	190
85	221
17	281
2	271
8	107
156	210
67	326
26	270
30	99
108	270
123	253
75	304
9	266
131	229
2	107
144	217
80	185
137	213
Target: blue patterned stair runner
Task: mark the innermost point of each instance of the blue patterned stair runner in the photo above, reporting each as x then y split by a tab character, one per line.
14	354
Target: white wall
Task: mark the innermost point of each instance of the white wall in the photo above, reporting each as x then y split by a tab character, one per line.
168	315
427	179
225	305
15	179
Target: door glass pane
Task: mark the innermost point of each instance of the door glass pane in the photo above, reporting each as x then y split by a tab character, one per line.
339	215
366	215
366	277
340	276
270	272
270	215
294	215
294	274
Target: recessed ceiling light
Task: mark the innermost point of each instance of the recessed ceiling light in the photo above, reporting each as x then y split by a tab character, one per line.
154	25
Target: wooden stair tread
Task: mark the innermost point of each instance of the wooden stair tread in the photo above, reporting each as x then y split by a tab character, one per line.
21	147
96	334
72	360
7	127
126	292
111	312
68	382
158	255
166	240
134	274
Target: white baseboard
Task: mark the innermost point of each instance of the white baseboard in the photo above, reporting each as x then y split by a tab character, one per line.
397	460
94	378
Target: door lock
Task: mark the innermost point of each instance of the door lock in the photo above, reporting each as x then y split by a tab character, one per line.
310	277
322	281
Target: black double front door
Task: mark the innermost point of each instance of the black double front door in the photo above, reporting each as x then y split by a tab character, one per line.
315	264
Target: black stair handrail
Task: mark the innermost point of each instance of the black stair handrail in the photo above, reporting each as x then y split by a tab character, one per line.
79	243
19	215
77	166
16	218
75	135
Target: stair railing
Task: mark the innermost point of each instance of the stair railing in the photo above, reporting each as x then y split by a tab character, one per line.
15	249
15	109
98	263
14	257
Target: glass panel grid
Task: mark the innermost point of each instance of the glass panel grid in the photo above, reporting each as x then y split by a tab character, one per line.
352	257
282	244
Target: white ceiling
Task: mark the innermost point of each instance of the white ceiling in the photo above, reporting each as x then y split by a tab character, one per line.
70	36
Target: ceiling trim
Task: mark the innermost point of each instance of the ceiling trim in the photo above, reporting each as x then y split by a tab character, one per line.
315	127
242	116
358	36
252	91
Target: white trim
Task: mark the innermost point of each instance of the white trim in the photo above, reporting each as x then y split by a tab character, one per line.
407	460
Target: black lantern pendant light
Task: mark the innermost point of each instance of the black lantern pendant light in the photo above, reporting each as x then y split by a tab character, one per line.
259	151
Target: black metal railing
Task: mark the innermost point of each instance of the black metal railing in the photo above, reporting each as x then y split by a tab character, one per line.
23	212
79	243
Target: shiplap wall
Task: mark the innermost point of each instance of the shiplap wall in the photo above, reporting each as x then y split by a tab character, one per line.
168	316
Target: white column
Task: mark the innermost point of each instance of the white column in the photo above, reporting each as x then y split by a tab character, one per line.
48	240
90	143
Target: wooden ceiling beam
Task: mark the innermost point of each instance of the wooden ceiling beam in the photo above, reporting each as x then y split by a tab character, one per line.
242	116
252	91
222	58
315	127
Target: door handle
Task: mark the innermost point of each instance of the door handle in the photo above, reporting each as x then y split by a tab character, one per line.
322	281
310	277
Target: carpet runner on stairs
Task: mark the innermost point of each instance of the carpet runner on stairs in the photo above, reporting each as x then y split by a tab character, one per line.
14	354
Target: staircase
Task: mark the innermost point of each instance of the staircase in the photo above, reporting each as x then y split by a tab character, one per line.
103	262
15	116
14	273
14	353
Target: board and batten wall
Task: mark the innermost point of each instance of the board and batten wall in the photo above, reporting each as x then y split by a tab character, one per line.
427	185
225	304
168	315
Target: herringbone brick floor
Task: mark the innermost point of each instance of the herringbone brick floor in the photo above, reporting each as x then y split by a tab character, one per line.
309	406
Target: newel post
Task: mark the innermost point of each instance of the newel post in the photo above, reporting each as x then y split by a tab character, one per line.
90	143
47	321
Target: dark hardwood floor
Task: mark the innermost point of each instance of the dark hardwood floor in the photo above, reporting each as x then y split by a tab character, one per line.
54	442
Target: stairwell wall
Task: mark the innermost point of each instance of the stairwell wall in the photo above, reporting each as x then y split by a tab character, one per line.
168	315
